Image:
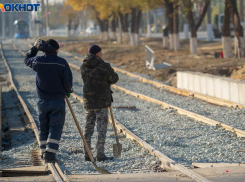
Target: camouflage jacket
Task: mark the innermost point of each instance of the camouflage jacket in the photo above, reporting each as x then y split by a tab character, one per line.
97	76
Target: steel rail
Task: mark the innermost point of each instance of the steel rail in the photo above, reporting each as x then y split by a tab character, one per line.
198	117
163	158
55	169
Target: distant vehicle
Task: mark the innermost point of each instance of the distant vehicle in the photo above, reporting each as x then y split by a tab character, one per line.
217	27
91	30
21	29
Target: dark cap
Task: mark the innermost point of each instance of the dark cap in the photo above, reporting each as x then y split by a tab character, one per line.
53	43
94	49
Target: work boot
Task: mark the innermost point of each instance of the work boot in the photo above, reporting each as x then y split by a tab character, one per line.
50	157
104	158
88	159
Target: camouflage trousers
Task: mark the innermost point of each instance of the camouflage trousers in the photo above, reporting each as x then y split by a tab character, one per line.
101	116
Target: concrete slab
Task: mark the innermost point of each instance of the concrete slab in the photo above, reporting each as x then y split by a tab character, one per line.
180	79
217	87
203	82
136	177
210	85
225	86
197	83
241	92
191	76
234	91
223	174
185	80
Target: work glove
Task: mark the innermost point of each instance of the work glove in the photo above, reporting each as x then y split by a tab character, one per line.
68	94
37	43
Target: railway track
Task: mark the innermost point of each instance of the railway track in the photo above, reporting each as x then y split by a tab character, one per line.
163	158
198	117
54	168
159	85
186	110
151	149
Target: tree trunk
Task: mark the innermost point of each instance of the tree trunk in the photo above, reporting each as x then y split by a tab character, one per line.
137	27
194	27
69	27
165	30
226	33
239	40
193	39
119	31
133	21
124	22
113	29
209	25
176	28
75	27
105	33
170	24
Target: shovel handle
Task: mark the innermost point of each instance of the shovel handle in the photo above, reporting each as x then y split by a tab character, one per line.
79	129
114	125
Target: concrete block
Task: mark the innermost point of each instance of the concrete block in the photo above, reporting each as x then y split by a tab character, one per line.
191	76
203	82
225	86
217	87
180	79
210	85
242	92
234	91
197	83
185	80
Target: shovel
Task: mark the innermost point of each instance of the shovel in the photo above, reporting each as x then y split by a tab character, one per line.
117	147
102	171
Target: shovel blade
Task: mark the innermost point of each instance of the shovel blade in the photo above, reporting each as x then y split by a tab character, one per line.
117	150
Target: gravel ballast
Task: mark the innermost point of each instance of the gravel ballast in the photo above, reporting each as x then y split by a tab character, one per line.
177	136
135	158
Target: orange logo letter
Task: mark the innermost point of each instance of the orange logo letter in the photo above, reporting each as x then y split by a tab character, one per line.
2	8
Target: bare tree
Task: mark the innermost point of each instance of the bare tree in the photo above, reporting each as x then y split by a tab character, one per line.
239	39
188	9
226	33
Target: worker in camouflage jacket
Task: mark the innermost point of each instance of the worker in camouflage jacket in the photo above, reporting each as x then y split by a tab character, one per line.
97	76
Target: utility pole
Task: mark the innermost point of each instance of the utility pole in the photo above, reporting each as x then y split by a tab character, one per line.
3	24
209	27
47	18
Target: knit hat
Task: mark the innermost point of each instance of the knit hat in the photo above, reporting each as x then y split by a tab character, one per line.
53	43
94	49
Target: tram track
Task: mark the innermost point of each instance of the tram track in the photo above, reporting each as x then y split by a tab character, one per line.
143	140
238	132
84	165
195	116
55	169
163	158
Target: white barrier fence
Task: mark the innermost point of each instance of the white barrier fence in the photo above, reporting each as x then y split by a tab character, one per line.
211	85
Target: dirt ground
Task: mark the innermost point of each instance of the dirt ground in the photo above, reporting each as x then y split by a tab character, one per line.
133	58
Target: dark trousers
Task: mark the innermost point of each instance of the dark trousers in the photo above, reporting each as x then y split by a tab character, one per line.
51	122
